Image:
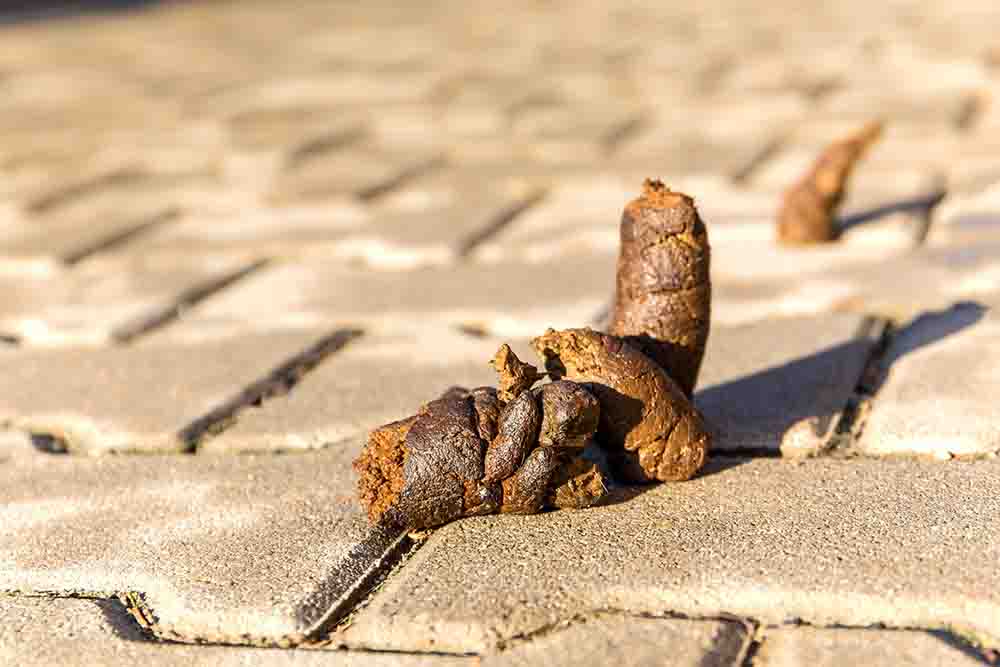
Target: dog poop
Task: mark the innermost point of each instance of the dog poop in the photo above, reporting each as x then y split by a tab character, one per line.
808	209
648	427
662	291
470	453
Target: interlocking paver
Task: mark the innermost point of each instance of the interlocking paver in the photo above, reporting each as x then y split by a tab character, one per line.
938	397
387	157
622	640
222	548
40	632
785	647
89	304
144	398
372	382
757	395
515	298
826	542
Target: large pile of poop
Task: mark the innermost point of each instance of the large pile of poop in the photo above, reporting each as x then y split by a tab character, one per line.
618	405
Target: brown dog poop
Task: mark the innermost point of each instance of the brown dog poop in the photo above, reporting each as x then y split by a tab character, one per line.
470	453
647	426
662	290
807	213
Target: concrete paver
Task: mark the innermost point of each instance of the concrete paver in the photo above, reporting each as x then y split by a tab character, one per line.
381	152
88	305
937	400
374	381
40	632
825	542
510	299
836	646
756	395
144	398
221	548
623	640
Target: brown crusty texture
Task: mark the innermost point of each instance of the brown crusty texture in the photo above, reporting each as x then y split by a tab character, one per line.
807	213
517	435
649	428
468	453
514	376
570	414
663	295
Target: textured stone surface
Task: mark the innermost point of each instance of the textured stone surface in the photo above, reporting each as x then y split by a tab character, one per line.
39	632
87	305
785	647
505	299
139	399
610	639
828	542
221	548
787	397
374	381
373	149
938	397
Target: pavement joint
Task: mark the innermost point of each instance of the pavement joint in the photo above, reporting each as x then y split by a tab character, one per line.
189	298
277	382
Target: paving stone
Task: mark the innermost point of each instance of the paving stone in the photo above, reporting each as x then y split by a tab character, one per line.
787	397
88	304
239	549
356	171
623	640
15	444
822	647
582	213
427	222
374	381
42	631
826	542
506	299
937	398
143	398
758	279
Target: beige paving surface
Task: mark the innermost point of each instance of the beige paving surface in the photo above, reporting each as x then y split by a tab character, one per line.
238	235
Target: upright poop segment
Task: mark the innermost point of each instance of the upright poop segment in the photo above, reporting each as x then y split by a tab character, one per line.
618	405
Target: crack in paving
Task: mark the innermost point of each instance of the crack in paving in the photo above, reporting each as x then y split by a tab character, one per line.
278	382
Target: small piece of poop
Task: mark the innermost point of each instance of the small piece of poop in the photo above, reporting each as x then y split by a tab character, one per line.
807	213
663	296
469	453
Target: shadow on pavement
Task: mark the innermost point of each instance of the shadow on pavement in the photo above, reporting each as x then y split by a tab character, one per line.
777	397
23	11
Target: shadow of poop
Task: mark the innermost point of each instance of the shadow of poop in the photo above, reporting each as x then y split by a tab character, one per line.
769	403
752	415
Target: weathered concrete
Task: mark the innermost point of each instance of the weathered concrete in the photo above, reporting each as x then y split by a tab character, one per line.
759	395
232	549
907	544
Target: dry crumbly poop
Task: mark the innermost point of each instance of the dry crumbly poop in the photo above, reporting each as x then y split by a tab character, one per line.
808	209
662	291
468	453
648	427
